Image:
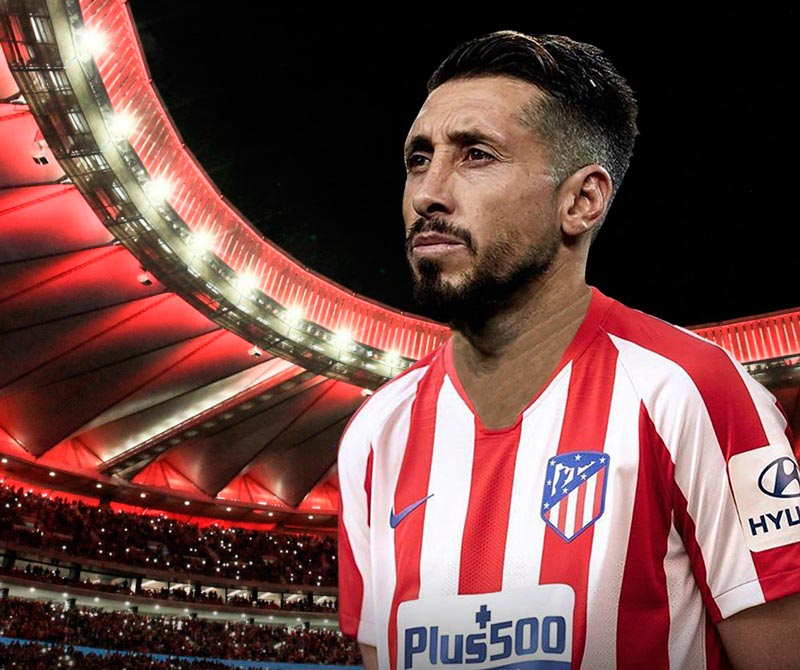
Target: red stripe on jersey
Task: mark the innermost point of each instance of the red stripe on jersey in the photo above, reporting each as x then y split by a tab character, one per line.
584	429
484	542
643	614
412	485
685	525
350	582
733	414
368	485
716	658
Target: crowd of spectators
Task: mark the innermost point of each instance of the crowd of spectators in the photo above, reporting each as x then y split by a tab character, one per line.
163	543
32	656
47	575
33	620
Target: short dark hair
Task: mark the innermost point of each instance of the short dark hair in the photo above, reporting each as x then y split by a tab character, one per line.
588	114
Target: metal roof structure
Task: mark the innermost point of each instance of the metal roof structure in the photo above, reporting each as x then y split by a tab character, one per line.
155	349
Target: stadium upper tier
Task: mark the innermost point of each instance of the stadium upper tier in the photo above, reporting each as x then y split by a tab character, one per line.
155	349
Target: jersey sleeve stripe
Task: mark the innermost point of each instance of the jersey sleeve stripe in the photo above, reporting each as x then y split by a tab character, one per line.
412	485
351	583
710	368
682	423
354	571
777	568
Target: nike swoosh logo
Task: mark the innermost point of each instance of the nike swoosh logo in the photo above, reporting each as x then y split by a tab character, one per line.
395	519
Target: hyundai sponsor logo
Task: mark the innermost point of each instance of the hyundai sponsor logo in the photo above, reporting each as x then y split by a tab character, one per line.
780	479
766	523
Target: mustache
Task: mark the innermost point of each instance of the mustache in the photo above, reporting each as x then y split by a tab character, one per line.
438	225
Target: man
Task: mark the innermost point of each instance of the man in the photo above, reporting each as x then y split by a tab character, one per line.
567	482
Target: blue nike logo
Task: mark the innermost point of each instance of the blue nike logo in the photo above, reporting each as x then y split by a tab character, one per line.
395	519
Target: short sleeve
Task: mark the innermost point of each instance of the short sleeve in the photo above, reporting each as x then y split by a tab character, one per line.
354	461
738	489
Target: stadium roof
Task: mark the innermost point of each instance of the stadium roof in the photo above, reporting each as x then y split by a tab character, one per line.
154	348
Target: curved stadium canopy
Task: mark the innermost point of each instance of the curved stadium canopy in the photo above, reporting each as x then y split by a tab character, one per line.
155	349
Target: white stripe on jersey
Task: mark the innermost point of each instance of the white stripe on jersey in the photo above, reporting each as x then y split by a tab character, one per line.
588	505
450	480
391	437
610	543
650	372
686	644
525	535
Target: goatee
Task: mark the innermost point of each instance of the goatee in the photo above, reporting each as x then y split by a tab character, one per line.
489	288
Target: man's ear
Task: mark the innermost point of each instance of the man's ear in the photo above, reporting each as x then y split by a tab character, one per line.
583	199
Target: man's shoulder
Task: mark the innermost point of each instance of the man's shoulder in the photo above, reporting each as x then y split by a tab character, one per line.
664	351
378	406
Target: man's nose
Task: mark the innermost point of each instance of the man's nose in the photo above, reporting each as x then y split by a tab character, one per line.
434	191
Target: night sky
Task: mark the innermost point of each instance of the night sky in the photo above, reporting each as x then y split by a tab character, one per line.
704	228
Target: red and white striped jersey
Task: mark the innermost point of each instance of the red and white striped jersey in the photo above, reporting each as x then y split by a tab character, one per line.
648	491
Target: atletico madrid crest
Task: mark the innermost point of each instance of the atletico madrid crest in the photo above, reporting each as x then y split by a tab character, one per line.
574	492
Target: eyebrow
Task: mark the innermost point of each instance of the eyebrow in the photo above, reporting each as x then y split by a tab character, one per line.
421	142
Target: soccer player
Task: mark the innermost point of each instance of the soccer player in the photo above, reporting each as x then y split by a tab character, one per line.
567	482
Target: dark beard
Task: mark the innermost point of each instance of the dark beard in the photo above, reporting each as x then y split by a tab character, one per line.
486	292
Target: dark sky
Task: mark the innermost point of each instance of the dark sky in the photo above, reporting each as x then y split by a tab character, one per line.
301	123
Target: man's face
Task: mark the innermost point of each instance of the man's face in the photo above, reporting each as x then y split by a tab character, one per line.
479	202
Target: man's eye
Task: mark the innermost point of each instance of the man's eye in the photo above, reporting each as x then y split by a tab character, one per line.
415	160
474	152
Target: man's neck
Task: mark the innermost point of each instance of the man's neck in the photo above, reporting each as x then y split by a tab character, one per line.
548	311
504	362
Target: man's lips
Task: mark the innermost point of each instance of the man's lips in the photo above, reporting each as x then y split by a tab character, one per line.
422	240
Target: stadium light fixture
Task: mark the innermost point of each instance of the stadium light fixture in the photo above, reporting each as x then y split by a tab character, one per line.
200	242
90	43
342	339
158	190
121	126
245	283
294	315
